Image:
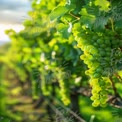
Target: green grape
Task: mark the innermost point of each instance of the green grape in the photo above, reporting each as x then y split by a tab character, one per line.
96	95
95	44
99	70
64	92
95	104
97	101
102	83
92	98
94	91
83	57
108	49
93	51
107	42
120	43
95	37
94	81
100	41
102	53
97	88
103	105
103	45
103	100
96	75
95	64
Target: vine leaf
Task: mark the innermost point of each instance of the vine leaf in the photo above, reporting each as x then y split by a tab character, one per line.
93	16
87	18
57	12
119	23
93	10
100	22
104	4
63	29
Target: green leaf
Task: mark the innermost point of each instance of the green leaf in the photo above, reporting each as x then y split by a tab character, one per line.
100	22
86	18
57	12
119	23
62	27
94	10
64	30
104	4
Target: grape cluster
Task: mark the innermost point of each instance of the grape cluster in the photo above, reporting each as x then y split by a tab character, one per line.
102	51
64	92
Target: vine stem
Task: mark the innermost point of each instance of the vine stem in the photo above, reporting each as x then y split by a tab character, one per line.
67	109
114	88
118	76
78	18
112	24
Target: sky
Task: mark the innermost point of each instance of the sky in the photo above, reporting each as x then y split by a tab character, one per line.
12	14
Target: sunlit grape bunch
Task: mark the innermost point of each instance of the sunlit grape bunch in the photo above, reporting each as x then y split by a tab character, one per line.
102	52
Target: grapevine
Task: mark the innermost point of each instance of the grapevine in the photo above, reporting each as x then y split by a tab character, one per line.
67	50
